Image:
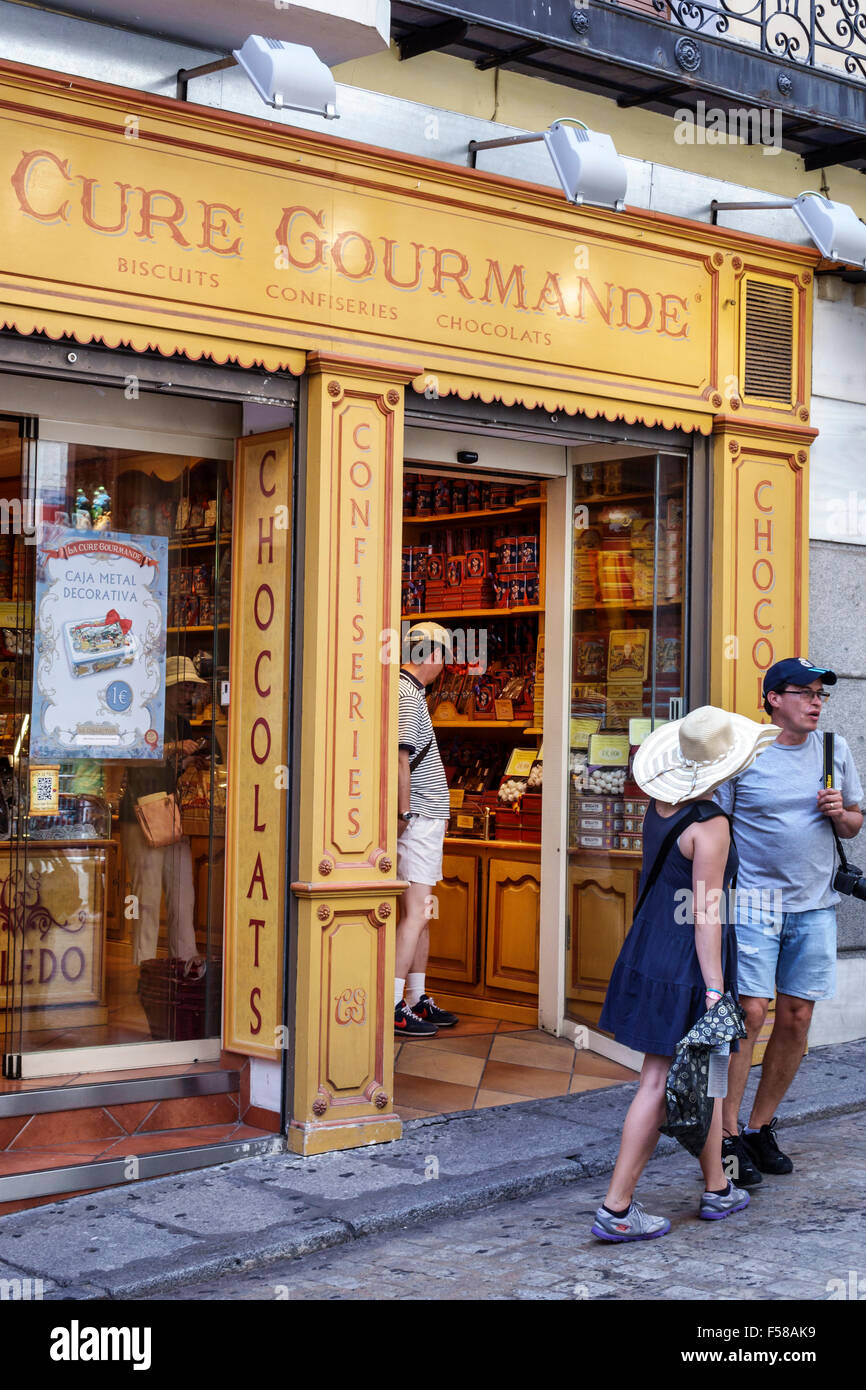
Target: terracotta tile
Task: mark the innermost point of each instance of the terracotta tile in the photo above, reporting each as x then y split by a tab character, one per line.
192	1110
249	1131
511	1048
38	1083
9	1127
440	1066
178	1139
469	1024
68	1126
268	1121
129	1115
486	1098
28	1161
591	1083
504	1025
539	1036
525	1081
133	1074
467	1044
436	1097
406	1112
593	1064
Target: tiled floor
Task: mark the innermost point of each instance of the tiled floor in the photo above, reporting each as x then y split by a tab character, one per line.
483	1062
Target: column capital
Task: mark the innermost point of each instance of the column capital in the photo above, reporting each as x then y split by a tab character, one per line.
396	373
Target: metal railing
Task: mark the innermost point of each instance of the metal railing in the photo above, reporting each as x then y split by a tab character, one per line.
815	33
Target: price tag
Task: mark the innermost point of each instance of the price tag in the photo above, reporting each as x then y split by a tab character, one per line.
581	729
465	822
639	728
455	797
608	750
504	709
520	762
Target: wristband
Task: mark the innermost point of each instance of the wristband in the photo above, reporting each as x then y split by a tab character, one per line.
716	992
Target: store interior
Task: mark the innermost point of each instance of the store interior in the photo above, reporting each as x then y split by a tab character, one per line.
76	968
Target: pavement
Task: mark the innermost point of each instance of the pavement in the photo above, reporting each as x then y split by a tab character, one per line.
151	1237
802	1237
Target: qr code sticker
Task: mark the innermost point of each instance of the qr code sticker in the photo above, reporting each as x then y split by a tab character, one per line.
44	789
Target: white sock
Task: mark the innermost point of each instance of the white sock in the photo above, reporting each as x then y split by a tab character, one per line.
399	987
750	1129
414	988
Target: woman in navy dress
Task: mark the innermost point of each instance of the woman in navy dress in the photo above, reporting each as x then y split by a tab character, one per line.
680	955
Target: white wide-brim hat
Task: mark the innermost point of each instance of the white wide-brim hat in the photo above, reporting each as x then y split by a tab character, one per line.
690	757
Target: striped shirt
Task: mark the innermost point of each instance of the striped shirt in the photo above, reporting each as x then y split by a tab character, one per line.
429	786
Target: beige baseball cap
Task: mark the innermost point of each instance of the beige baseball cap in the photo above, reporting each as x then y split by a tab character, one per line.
428	634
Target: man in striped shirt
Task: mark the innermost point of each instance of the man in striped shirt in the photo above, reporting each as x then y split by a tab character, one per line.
423	809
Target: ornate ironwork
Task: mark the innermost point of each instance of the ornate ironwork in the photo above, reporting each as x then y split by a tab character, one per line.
813	33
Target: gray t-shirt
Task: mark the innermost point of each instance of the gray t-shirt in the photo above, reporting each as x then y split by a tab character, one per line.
784	841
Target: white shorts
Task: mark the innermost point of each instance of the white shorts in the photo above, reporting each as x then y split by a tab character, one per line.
419	851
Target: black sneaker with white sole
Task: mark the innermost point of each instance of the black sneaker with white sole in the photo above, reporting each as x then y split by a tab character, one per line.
765	1152
429	1010
737	1163
407	1024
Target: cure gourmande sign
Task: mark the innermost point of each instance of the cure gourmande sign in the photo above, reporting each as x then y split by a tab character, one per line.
157	217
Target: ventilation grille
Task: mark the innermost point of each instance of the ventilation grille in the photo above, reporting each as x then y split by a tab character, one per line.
769	355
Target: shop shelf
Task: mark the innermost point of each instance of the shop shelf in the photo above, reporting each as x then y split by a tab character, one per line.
204	542
463	723
489	514
208	627
475	613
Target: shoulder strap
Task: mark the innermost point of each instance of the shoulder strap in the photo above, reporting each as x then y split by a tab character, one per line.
673	834
419	757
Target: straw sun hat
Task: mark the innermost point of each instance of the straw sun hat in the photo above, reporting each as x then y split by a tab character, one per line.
692	756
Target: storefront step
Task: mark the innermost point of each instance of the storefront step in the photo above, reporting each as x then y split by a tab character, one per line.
130	1091
44	1184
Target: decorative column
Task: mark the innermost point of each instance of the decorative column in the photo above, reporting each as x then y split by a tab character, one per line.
760	555
348	888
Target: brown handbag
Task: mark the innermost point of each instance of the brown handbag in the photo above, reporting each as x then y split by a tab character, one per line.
159	818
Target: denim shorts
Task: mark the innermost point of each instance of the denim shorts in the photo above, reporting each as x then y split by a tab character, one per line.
794	954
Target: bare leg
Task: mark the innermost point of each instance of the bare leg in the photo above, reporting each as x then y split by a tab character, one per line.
711	1154
640	1132
740	1064
783	1056
411	926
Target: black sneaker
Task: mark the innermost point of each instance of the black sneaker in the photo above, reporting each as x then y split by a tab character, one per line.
407	1024
431	1013
765	1151
737	1163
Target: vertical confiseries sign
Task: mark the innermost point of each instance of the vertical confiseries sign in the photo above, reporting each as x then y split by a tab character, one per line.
259	737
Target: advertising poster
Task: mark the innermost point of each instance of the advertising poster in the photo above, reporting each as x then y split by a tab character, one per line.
99	662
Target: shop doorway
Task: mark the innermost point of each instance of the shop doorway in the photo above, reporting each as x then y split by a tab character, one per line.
113	758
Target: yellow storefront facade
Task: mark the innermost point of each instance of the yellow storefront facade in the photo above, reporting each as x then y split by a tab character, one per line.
381	281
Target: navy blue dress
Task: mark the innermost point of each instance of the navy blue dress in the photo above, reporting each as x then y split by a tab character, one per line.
656	991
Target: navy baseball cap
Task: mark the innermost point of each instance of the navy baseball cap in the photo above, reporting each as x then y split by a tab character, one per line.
796	670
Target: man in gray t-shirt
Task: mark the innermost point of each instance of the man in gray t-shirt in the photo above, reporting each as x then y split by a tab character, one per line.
782	821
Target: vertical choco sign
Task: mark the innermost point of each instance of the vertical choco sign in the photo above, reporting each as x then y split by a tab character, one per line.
259	727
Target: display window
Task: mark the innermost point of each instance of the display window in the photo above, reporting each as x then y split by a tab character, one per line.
113	738
628	672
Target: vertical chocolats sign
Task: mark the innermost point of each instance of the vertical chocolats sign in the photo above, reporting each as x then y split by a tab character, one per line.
259	728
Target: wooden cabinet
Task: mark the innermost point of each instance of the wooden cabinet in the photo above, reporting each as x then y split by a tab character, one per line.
454	926
511	956
484	933
601	907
